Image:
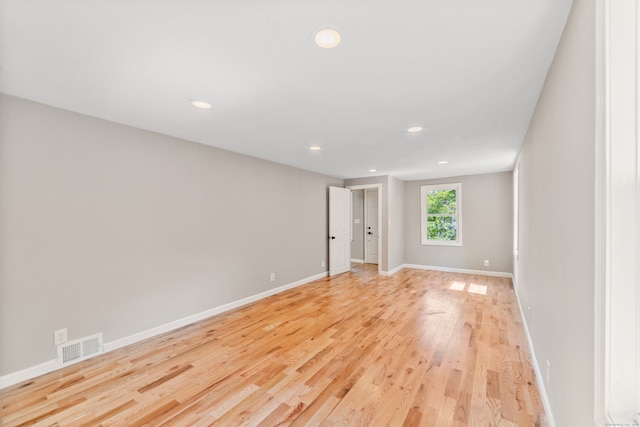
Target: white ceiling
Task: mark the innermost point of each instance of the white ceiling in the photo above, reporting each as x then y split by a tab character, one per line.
468	71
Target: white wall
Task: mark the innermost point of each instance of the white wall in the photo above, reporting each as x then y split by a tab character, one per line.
555	270
487	206
114	229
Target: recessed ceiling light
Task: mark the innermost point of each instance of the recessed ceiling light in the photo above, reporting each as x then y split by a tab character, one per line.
314	148
373	170
327	38
443	162
414	129
202	105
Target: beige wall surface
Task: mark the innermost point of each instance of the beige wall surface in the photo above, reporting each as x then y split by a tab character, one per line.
554	275
396	223
114	229
487	231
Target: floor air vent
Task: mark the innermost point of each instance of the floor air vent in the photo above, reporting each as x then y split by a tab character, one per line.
81	349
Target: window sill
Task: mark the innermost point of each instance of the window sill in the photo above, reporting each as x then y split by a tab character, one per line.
441	243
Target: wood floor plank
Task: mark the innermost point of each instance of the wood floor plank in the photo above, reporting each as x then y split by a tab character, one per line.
419	348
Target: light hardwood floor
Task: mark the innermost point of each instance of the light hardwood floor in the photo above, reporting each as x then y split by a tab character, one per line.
418	348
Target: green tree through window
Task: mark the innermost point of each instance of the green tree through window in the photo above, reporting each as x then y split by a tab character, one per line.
440	214
441	221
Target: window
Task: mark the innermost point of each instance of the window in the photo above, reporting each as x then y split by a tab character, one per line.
441	214
516	211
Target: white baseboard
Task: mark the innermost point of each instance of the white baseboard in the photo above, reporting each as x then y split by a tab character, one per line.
51	365
392	271
357	261
28	373
536	366
457	270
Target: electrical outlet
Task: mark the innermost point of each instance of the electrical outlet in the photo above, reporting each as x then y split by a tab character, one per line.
486	263
60	336
323	263
272	277
548	373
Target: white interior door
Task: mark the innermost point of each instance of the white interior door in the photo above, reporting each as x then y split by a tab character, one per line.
339	230
371	226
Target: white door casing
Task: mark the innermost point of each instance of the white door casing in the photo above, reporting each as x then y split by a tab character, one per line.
381	238
617	214
371	226
339	230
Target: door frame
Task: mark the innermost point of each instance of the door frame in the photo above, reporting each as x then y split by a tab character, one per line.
380	233
366	221
617	203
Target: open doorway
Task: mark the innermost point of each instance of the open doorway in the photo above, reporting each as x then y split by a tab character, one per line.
357	226
365	223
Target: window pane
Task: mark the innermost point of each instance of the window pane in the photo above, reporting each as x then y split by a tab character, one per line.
441	202
441	228
441	209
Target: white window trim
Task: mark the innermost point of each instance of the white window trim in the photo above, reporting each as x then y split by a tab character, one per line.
424	190
617	223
